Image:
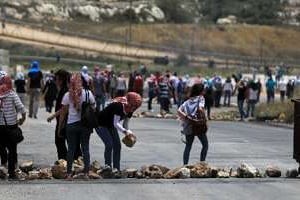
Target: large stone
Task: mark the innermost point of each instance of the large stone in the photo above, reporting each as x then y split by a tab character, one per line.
95	166
178	173
45	173
202	170
79	161
3	173
33	175
21	175
93	175
152	171
224	173
129	140
106	173
59	171
131	173
292	173
12	12
26	166
248	171
92	12
78	168
156	12
273	171
61	162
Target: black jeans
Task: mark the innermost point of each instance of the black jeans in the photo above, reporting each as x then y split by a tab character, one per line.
188	147
164	104
77	133
61	146
111	140
8	150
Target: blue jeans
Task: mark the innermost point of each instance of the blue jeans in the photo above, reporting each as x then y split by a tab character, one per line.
241	108
111	140
188	147
227	97
77	133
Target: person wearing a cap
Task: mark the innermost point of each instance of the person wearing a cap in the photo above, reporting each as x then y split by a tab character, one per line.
35	84
110	124
10	106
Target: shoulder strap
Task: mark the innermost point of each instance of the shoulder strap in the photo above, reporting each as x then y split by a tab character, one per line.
87	97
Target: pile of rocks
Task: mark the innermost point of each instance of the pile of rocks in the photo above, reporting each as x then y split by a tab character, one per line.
27	171
225	116
93	10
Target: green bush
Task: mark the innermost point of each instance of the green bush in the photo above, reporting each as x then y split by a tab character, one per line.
182	60
280	111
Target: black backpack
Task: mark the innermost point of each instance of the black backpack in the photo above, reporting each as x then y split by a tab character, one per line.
88	113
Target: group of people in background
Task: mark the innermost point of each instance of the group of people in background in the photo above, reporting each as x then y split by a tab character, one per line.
115	97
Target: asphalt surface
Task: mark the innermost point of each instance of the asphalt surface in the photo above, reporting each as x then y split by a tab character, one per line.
159	142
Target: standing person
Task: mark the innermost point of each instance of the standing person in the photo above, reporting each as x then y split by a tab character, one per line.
217	86
138	84
152	89
10	106
35	83
180	92
20	84
282	89
228	88
187	111
62	78
87	81
290	89
75	131
270	86
259	89
50	91
241	96
252	98
113	84
99	89
121	85
131	81
109	121
164	95
209	98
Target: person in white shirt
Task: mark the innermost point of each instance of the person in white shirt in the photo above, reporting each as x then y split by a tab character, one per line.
252	98
282	88
227	88
75	131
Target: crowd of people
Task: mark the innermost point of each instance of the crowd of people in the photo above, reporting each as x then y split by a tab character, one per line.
115	98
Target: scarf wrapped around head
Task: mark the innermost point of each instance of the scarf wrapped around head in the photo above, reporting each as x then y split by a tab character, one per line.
75	90
131	101
35	67
5	85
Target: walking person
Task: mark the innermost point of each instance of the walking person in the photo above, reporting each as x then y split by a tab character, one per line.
290	89
121	85
252	99
164	95
228	88
209	98
99	89
241	96
62	78
75	131
50	92
188	111
110	124
35	84
20	84
270	86
152	89
10	106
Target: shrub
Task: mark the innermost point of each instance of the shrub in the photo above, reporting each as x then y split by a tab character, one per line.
280	111
182	60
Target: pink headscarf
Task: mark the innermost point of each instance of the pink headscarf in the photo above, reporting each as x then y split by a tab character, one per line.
131	101
5	85
75	90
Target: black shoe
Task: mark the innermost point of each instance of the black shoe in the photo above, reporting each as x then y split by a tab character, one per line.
35	117
13	177
30	116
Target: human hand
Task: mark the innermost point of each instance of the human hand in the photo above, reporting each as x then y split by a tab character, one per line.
21	121
49	119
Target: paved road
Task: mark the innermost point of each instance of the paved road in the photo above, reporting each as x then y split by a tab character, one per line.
159	142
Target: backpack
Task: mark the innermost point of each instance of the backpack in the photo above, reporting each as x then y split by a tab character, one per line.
88	113
198	122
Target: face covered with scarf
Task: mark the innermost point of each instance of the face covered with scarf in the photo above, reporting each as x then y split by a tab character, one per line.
132	101
75	90
5	84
